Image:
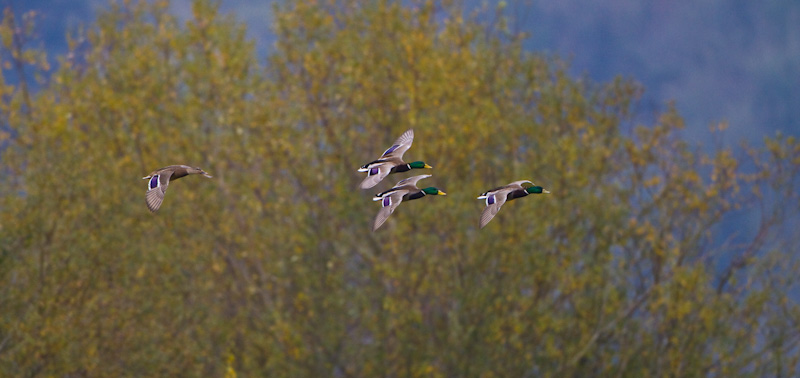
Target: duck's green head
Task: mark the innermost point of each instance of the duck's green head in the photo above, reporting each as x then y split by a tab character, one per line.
536	190
433	191
419	165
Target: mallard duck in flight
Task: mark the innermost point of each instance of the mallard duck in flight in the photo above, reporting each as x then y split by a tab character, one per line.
159	180
496	197
405	190
391	162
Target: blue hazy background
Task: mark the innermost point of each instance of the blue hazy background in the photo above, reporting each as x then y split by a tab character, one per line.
720	60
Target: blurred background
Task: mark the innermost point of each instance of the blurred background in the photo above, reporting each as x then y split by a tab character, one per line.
667	247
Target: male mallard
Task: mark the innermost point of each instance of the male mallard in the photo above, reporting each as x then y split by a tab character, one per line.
391	162
405	190
496	197
159	180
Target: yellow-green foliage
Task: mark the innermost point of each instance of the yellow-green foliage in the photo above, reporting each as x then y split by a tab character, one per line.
270	268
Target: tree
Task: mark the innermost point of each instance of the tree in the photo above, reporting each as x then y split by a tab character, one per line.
270	268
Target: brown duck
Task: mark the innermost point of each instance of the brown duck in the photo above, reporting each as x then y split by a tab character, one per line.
159	181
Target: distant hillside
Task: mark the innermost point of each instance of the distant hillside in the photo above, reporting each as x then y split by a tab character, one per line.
720	60
735	59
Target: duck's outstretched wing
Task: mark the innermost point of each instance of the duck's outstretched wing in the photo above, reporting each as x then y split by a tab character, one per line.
156	188
375	174
388	204
494	201
521	184
400	146
411	180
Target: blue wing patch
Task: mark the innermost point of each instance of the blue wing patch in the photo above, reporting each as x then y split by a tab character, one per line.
387	201
154	182
391	149
373	171
490	200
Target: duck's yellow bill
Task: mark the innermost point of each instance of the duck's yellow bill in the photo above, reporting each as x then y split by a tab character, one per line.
441	193
427	166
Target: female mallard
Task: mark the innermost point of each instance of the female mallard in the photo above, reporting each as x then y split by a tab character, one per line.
159	180
496	197
391	162
405	190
